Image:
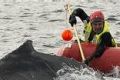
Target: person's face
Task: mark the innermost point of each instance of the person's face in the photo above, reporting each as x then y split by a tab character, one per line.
97	26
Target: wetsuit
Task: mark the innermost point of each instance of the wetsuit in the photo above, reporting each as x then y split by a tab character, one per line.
105	39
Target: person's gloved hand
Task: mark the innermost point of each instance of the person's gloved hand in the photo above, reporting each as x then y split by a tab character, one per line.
87	61
72	20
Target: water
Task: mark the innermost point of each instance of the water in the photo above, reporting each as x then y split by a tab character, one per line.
42	21
68	73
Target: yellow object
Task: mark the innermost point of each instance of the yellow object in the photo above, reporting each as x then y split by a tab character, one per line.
88	29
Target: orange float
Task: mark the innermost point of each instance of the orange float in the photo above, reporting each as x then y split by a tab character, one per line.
67	35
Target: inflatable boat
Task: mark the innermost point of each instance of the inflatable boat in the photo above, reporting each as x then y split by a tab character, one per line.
106	63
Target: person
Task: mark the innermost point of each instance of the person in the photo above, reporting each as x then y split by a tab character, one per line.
96	29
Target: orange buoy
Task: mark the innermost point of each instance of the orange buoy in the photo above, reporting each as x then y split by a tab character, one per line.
67	35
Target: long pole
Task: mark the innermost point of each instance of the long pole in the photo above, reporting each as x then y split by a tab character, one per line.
80	47
76	34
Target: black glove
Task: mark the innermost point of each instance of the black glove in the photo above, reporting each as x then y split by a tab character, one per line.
87	61
72	20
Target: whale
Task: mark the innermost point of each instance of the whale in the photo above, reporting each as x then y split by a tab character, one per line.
25	63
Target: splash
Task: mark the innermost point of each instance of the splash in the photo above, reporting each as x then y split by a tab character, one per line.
87	73
114	73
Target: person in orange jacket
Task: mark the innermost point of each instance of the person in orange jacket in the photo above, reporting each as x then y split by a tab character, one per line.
96	30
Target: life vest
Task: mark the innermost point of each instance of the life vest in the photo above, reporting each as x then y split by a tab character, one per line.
96	39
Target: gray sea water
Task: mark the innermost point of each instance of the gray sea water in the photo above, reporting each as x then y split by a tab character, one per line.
42	21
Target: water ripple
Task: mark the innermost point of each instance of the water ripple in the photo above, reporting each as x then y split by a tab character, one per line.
60	20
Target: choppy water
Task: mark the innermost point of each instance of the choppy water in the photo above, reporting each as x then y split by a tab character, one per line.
43	21
87	73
